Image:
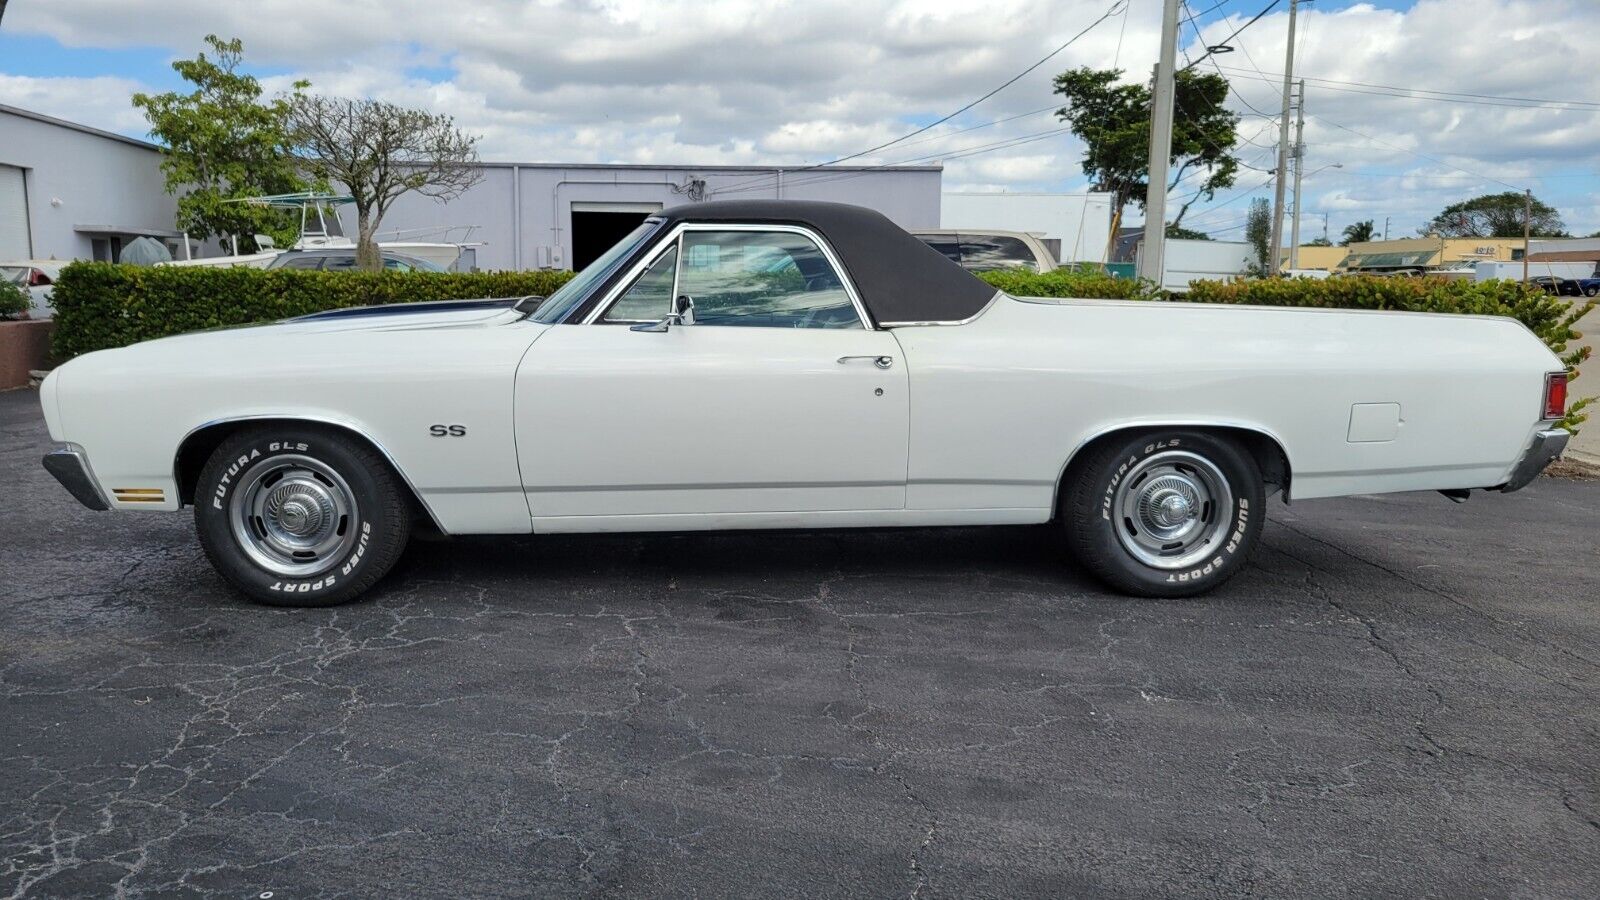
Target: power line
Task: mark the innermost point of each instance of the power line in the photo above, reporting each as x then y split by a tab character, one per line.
1110	11
1415	153
1335	84
1224	41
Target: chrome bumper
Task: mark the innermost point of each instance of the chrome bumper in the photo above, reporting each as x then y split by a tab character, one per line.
71	468
1545	449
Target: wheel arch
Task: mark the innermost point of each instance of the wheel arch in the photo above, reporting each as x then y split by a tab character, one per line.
1266	447
203	440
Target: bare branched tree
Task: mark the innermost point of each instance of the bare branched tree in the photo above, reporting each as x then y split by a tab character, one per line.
380	151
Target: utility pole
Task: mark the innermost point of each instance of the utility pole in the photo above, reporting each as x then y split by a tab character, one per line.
1299	172
1386	228
1324	226
1283	148
1152	262
1527	229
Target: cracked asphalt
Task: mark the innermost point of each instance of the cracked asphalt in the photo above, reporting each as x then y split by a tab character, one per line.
1396	699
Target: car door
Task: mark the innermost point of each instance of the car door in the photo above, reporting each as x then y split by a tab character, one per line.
776	399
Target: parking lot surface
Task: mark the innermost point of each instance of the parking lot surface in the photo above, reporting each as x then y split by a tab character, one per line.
1397	698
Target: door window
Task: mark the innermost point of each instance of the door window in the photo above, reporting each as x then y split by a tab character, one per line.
763	279
649	298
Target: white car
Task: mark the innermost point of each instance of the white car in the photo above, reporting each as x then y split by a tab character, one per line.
38	278
791	365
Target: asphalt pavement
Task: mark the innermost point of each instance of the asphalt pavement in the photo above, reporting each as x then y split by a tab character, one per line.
1397	698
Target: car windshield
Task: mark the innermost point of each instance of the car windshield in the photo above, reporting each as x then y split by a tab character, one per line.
569	295
15	274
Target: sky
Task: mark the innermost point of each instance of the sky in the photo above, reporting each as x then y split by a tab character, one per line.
800	82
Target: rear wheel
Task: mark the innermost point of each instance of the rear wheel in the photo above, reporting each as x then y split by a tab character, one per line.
1164	514
300	516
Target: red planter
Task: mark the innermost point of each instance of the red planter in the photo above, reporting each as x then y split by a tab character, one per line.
24	345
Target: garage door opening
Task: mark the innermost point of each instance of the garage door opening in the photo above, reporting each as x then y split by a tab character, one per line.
597	226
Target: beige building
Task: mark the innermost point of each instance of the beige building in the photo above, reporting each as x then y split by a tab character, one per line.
1410	253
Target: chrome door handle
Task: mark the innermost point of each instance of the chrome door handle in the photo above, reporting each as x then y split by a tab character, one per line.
882	362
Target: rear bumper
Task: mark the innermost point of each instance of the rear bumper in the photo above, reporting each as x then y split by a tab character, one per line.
71	468
1546	448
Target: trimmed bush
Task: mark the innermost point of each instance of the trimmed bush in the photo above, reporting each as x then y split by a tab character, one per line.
100	305
1085	282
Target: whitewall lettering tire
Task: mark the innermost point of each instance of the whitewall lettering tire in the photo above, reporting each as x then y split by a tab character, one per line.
1169	513
295	516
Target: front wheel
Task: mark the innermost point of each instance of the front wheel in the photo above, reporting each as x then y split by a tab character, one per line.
1591	290
295	516
1164	514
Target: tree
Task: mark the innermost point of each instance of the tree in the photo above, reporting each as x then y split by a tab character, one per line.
379	152
1319	241
1358	233
223	143
1178	232
1258	231
1114	121
1495	215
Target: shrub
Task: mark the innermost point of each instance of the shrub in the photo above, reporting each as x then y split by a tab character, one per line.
13	300
1085	281
100	305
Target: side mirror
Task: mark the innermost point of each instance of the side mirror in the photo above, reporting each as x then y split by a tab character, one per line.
682	314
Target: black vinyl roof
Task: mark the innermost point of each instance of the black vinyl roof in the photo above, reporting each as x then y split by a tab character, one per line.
900	278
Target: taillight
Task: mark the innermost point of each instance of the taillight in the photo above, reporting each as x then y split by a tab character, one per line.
1555	395
38	279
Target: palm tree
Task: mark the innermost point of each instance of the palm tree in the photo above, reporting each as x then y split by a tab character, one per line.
1358	232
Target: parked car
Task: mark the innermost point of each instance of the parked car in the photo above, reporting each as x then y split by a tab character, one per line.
684	381
345	261
1566	287
38	278
983	251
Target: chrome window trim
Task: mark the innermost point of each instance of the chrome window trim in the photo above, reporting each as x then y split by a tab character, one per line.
598	317
971	318
675	238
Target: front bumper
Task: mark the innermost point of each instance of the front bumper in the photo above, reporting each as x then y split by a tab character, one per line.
1546	448
71	468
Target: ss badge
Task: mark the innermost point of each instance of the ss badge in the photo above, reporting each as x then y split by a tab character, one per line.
448	430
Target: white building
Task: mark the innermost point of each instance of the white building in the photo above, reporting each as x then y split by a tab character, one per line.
1076	227
68	191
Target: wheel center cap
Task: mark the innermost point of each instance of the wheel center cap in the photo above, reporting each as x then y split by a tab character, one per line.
1174	509
295	516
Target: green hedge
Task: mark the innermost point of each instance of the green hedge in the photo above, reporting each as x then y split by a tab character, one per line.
99	305
1087	283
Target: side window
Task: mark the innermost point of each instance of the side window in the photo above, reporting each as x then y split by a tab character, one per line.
773	279
395	265
995	251
648	299
303	262
340	263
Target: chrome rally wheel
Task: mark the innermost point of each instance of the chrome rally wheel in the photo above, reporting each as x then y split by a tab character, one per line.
294	516
297	515
1175	507
1163	513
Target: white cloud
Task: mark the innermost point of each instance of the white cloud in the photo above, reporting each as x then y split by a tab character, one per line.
801	81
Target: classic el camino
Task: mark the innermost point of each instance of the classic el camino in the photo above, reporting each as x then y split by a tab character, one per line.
791	365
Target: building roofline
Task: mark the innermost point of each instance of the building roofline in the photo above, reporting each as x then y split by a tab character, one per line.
86	129
498	164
